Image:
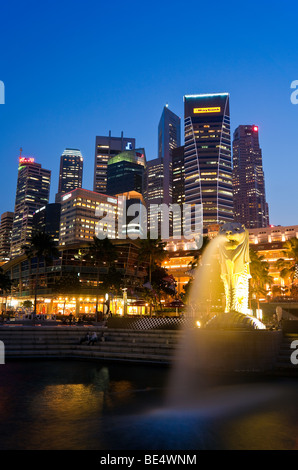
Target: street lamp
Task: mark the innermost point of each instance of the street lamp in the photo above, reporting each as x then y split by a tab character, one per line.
124	300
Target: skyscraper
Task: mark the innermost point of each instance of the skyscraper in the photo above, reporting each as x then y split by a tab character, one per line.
5	235
178	177
105	148
47	219
154	190
169	138
71	172
250	207
207	156
33	189
125	172
79	220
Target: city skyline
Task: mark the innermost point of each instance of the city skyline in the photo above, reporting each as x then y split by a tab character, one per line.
46	112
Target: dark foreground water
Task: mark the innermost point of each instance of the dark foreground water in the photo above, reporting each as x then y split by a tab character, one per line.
90	406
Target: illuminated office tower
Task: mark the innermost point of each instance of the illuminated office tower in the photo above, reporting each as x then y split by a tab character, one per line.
154	190
250	207
5	235
47	220
105	148
71	172
169	138
207	156
33	189
125	172
178	176
79	220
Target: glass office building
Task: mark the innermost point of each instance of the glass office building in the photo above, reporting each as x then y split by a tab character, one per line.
207	156
250	206
33	189
107	147
71	172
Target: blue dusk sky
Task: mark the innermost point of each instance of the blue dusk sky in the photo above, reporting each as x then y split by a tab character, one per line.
76	69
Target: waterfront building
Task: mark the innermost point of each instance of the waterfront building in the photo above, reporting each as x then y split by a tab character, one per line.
250	206
71	172
32	193
79	295
107	147
207	156
267	242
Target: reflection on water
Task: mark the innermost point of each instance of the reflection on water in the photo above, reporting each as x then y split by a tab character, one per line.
85	405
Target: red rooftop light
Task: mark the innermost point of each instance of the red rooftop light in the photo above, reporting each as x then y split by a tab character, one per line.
256	128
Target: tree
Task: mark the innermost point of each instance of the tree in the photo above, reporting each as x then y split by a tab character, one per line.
288	265
5	283
103	254
259	270
152	252
162	284
41	246
67	284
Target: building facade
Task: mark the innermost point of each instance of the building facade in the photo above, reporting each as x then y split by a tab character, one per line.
105	148
47	219
169	138
178	182
32	193
80	220
71	172
250	206
5	235
207	156
82	292
126	172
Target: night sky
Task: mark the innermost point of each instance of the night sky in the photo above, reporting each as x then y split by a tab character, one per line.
76	69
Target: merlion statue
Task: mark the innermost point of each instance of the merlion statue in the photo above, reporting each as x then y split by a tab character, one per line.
234	261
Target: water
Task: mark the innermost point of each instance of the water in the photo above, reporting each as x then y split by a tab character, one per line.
71	405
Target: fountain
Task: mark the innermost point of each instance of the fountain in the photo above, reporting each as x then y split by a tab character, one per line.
233	247
205	387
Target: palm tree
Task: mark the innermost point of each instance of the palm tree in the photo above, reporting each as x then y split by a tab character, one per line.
259	270
5	283
103	254
41	246
288	264
152	251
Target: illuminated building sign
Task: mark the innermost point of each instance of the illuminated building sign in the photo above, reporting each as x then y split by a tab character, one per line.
23	160
206	110
67	196
112	200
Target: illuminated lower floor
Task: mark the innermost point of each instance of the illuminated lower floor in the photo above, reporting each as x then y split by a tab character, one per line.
78	306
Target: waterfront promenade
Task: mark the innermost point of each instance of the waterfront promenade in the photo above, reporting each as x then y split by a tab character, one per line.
262	351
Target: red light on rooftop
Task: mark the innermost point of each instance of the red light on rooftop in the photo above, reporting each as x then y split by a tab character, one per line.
23	160
255	128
